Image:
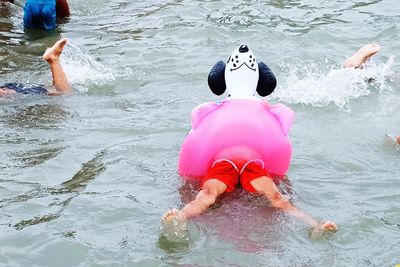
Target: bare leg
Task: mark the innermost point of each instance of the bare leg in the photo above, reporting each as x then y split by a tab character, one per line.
361	56
204	199
398	139
267	187
52	56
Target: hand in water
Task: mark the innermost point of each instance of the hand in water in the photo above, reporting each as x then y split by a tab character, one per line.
174	226
392	140
322	229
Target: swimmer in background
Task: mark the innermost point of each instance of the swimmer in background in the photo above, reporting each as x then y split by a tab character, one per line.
60	82
254	179
42	14
359	58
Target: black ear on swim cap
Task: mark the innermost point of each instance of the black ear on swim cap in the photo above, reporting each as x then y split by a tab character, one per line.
266	80
216	78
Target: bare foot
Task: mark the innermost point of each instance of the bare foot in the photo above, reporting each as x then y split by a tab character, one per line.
53	53
321	229
361	56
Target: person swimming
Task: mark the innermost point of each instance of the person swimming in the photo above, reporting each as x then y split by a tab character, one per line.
252	157
61	85
25	90
42	14
214	183
358	59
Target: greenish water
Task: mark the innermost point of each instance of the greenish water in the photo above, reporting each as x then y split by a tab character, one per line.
85	179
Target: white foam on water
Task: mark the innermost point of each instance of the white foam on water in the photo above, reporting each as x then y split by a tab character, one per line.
312	85
82	70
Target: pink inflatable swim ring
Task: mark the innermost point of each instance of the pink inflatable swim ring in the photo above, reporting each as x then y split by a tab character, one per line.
237	129
241	127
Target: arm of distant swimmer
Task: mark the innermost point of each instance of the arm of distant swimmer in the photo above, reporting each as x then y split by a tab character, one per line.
62	9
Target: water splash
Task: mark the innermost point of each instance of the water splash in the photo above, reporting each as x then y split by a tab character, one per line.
311	85
390	142
82	69
175	230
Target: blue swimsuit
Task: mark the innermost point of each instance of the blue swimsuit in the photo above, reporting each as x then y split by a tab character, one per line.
20	88
40	14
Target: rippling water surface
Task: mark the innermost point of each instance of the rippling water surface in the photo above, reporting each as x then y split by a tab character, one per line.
85	179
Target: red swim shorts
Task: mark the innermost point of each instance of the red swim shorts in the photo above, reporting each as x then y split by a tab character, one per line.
231	173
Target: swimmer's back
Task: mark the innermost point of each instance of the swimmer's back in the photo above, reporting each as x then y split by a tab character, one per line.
40	14
25	90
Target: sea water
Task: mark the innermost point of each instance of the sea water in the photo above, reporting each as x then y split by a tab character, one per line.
85	179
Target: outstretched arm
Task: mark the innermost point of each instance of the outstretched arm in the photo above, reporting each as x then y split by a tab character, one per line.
266	187
204	199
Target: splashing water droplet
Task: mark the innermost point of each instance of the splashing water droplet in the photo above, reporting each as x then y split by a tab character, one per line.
82	70
312	86
175	230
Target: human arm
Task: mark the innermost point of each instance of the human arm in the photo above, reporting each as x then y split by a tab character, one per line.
266	187
62	9
205	198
